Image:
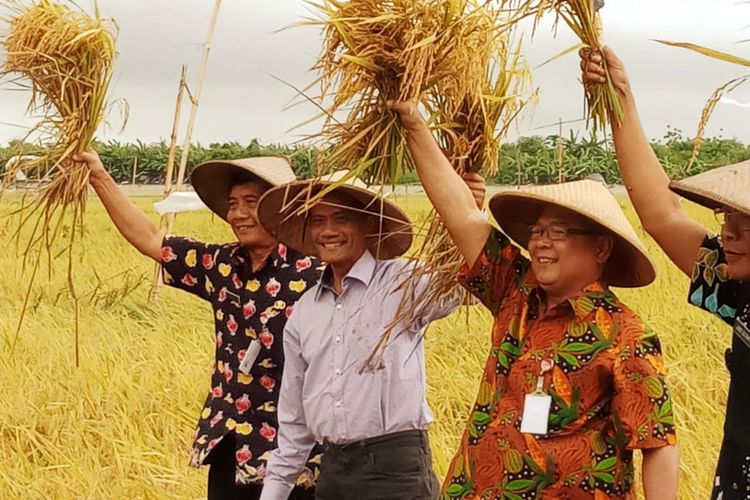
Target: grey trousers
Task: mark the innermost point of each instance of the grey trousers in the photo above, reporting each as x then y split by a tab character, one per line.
394	466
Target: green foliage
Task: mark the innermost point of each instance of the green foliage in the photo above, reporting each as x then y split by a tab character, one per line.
528	160
152	158
536	160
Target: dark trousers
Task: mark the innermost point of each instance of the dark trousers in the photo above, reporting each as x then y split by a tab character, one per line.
395	466
221	484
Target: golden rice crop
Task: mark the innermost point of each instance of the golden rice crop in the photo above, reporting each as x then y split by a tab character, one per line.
64	58
120	425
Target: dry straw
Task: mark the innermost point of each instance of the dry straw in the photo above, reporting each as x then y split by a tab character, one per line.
726	88
582	17
454	58
64	57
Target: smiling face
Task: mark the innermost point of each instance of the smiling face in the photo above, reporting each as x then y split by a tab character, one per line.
243	215
339	232
563	267
735	236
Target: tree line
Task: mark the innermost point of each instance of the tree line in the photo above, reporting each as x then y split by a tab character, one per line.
527	160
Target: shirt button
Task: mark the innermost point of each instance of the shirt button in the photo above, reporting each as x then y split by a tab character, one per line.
338	307
338	371
339	403
338	339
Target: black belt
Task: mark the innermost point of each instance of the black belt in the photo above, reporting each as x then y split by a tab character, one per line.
399	439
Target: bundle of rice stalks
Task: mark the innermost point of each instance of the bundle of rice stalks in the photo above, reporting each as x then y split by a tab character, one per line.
456	60
469	130
64	57
582	17
720	92
374	51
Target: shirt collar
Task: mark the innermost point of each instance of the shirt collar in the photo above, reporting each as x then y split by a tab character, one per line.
239	256
580	304
362	271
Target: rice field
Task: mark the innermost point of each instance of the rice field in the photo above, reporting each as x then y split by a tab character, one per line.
120	425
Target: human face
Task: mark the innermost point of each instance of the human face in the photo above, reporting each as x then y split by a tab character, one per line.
243	216
735	236
564	265
339	233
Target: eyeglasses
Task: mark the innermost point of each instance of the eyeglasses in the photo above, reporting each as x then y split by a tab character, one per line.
732	220
556	232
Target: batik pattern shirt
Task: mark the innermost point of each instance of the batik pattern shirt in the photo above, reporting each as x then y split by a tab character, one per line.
606	384
713	290
246	306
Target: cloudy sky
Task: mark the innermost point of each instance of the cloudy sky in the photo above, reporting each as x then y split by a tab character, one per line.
242	101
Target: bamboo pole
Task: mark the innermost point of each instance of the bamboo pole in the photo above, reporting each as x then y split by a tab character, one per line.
195	101
195	98
173	138
560	153
169	174
135	171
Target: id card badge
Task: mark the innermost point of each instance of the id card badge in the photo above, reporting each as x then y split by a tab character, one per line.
537	404
251	354
536	413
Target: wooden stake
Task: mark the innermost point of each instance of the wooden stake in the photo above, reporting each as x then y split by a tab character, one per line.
560	154
135	171
169	174
173	138
195	100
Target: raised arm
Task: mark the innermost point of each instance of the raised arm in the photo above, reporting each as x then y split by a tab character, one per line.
646	181
135	226
448	193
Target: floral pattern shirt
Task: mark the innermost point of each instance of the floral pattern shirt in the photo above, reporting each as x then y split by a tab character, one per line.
246	305
713	290
606	383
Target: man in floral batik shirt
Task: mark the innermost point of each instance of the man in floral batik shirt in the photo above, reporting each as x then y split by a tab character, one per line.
574	380
252	286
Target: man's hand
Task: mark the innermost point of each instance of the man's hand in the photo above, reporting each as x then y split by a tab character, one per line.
478	187
92	160
407	111
593	69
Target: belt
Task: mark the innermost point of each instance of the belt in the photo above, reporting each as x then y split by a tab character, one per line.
414	437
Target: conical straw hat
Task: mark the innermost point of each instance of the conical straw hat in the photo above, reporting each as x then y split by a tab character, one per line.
628	265
284	211
213	180
721	187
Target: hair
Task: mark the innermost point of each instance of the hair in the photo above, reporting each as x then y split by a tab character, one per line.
238	177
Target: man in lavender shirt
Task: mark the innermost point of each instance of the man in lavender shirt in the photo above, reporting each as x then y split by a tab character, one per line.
373	422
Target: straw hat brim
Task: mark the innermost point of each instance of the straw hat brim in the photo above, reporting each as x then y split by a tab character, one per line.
213	180
717	188
628	266
282	213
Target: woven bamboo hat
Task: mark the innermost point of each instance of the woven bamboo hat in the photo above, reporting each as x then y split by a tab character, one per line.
213	180
629	265
284	211
721	187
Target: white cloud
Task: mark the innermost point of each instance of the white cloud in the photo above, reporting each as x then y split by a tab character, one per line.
241	101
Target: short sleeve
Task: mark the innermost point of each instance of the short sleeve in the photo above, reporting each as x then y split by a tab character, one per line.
711	289
499	268
186	264
642	405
